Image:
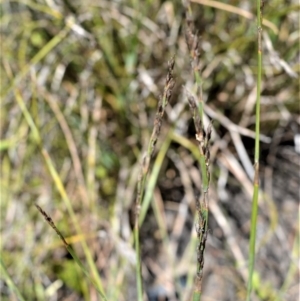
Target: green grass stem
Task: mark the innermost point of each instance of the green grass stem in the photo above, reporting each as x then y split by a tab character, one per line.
39	56
254	211
70	250
10	283
60	187
153	178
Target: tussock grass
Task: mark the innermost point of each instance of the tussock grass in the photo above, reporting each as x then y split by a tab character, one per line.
79	89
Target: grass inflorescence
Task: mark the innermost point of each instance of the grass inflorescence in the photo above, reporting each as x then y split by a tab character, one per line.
203	138
169	84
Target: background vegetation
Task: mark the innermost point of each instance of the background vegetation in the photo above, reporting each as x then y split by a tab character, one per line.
80	82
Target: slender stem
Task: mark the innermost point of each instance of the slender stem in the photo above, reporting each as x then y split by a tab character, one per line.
153	178
169	84
203	138
138	270
252	238
9	281
256	157
60	187
38	57
69	249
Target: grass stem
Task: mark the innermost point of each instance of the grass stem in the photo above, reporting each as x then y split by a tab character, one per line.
60	187
203	138
256	157
145	169
10	282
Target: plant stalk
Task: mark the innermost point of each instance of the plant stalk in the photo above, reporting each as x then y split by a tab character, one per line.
254	210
